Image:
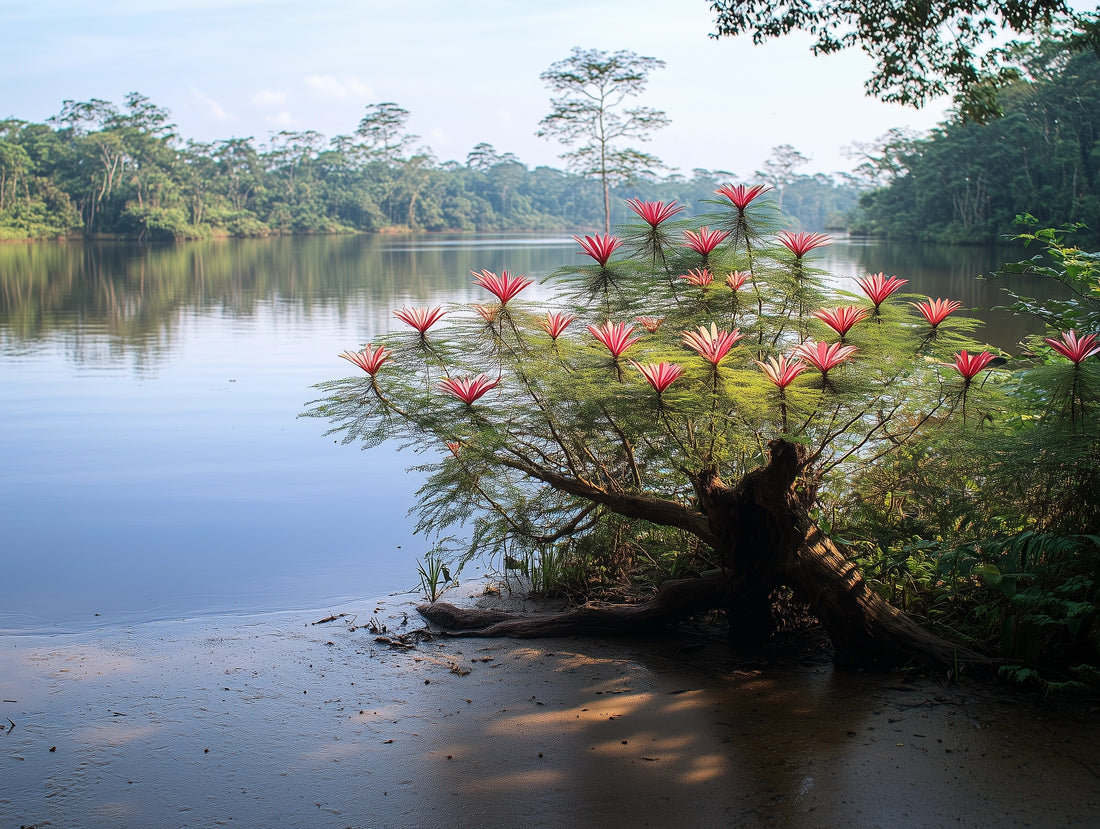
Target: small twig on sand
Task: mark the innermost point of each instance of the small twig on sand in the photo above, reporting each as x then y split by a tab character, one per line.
332	618
394	642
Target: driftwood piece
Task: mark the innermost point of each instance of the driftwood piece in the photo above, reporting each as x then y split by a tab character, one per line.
328	619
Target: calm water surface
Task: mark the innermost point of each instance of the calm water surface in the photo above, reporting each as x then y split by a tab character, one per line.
153	463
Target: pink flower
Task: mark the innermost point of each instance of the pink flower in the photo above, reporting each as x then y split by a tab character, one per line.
782	371
741	195
504	286
878	287
599	247
420	318
802	243
369	359
661	375
737	279
489	313
712	344
705	241
969	365
556	323
654	212
700	277
824	357
468	389
1074	349
616	336
650	324
936	310
842	319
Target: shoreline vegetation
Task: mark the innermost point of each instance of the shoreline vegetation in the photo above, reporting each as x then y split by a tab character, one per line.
129	176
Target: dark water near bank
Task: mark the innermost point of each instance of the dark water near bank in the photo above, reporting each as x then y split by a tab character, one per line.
153	463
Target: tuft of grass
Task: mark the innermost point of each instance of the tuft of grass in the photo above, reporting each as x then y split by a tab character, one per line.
435	577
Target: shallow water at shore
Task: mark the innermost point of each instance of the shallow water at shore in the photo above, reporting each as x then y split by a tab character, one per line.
276	721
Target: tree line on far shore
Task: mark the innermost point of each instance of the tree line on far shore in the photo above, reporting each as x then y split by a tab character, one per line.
101	168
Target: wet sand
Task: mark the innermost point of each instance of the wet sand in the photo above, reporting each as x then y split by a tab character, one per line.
276	722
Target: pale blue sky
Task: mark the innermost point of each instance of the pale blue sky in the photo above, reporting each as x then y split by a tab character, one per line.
467	71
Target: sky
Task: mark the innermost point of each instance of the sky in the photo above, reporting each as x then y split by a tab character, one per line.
468	72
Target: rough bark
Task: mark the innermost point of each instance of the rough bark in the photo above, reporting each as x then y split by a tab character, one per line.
763	529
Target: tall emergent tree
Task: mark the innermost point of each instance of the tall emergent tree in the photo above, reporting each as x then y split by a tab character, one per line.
382	131
590	112
779	169
921	50
689	401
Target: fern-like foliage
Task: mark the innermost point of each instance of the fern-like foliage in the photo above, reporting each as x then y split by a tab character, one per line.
574	443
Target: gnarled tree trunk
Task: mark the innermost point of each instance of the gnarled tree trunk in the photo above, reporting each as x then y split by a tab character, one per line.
762	528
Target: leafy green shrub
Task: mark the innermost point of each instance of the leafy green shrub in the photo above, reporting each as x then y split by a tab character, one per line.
996	531
160	224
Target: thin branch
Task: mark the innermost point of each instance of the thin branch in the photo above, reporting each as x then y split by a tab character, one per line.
647	507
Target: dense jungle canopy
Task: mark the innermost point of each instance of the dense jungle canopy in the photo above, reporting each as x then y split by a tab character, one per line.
100	168
966	182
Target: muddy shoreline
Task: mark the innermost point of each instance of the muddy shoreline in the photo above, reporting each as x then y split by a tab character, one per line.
275	721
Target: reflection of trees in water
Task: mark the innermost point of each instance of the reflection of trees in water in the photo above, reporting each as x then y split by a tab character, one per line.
135	295
939	270
953	272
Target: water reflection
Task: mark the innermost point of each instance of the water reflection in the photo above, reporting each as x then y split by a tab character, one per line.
966	274
135	295
154	465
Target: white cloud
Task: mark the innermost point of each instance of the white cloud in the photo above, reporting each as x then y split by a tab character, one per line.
327	86
211	107
269	98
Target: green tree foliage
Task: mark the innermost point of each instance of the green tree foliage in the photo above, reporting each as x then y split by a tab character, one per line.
591	114
681	430
32	204
382	132
996	530
967	181
100	168
921	50
880	162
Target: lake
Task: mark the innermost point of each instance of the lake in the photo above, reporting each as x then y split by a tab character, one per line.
154	463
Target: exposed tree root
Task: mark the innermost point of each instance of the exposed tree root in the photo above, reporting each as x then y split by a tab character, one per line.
864	628
674	602
874	634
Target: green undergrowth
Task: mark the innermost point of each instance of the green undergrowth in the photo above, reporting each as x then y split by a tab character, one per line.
1031	599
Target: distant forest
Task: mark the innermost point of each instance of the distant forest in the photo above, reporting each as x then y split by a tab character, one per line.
966	182
99	168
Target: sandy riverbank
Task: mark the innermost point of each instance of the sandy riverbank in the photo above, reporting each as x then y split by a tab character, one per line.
275	722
